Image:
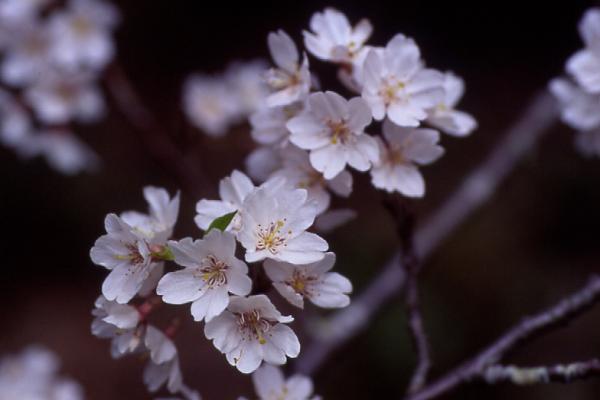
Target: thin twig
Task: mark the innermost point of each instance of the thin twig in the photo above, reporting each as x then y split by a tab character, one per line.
475	190
561	373
404	218
154	137
559	314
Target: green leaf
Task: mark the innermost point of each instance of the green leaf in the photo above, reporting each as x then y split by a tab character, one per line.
222	222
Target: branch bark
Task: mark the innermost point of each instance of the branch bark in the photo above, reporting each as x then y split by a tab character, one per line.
561	313
475	190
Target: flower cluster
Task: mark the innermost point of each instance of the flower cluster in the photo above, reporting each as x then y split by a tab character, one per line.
579	97
262	227
314	138
51	60
33	374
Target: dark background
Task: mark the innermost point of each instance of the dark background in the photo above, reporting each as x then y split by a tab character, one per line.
536	241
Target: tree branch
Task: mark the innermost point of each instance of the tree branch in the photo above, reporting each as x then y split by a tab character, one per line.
562	373
545	321
475	190
153	136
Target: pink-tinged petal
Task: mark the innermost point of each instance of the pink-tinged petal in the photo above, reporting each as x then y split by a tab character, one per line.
268	381
288	293
283	50
329	160
402	57
585	68
332	291
284	338
180	287
161	347
409	181
359	114
124	282
299	387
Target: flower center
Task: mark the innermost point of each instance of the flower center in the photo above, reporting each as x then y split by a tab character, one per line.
390	90
339	132
253	326
134	256
81	26
301	283
270	237
213	271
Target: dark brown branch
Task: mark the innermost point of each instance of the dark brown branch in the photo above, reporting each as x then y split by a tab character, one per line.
475	190
561	373
405	218
154	137
559	314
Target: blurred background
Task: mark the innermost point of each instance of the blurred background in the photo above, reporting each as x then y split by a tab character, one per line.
536	241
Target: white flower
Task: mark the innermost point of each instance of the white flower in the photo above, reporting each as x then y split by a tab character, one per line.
33	375
332	128
270	384
246	81
445	117
210	104
585	64
269	123
290	81
64	151
14	12
232	190
310	281
127	255
298	172
118	322
59	98
26	56
252	330
333	219
579	109
81	35
211	272
15	123
406	148
161	217
396	85
262	162
274	226
163	366
334	39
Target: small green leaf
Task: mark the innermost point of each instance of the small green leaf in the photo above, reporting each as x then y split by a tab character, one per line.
222	222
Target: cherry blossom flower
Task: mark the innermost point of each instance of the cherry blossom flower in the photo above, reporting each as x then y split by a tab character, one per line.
298	172
210	104
252	330
162	214
128	255
333	219
406	148
246	81
445	117
396	84
262	162
274	226
585	64
14	12
290	81
15	123
59	98
270	384
579	109
333	38
64	151
332	128
310	281
82	34
232	190
163	366
269	123
26	56
211	272
118	322
33	374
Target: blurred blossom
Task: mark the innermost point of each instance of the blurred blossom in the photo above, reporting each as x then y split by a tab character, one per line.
269	383
33	374
58	98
